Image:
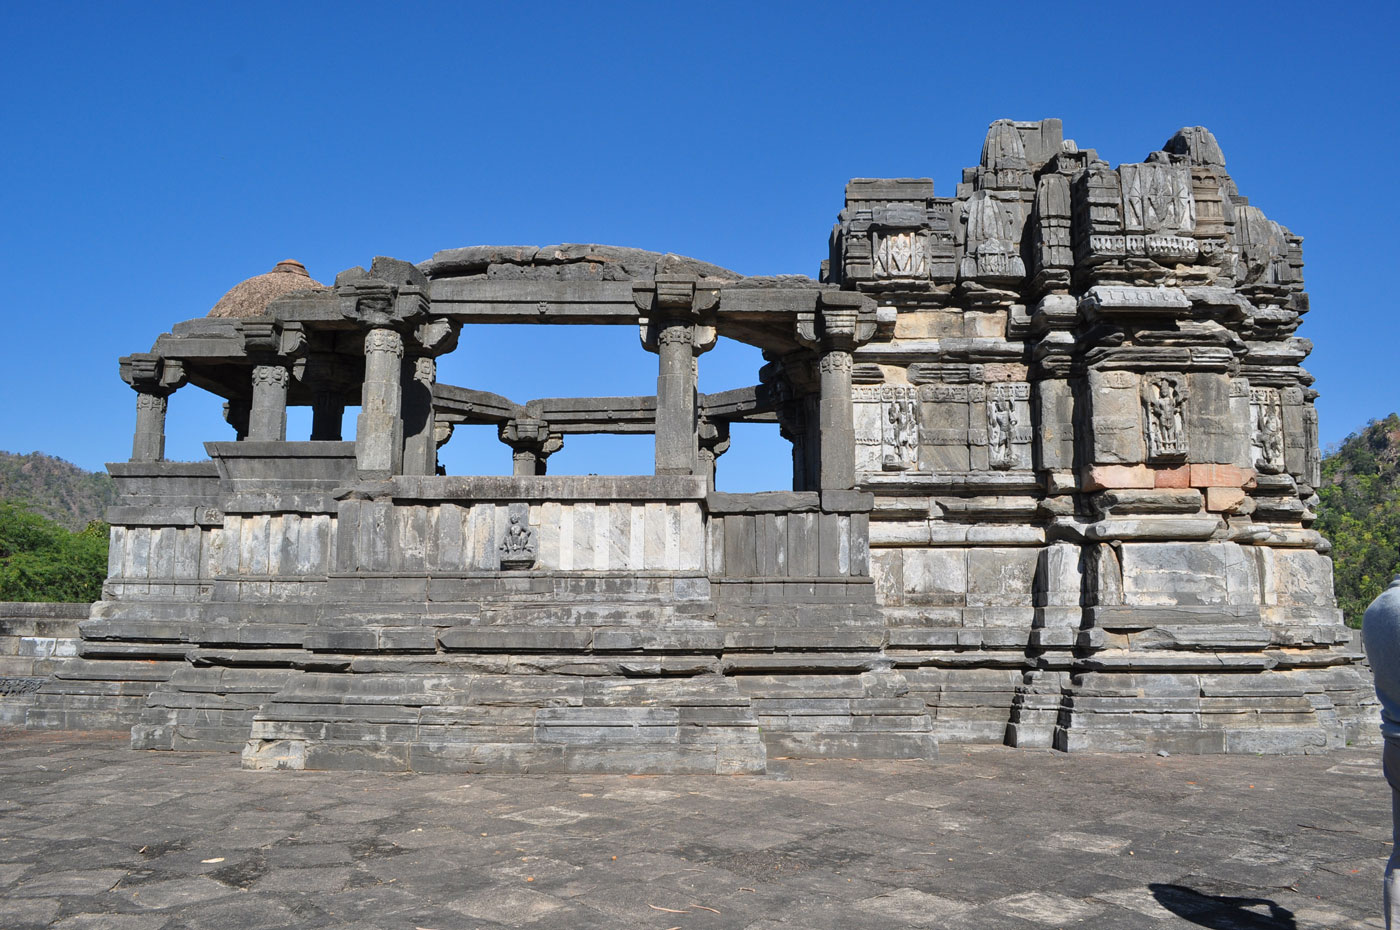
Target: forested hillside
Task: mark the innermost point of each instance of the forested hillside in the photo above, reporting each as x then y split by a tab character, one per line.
53	488
1360	513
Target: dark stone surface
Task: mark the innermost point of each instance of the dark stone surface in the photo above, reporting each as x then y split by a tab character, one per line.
94	835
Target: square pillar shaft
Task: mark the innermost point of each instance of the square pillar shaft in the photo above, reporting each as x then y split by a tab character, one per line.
419	441
677	448
837	421
267	417
148	443
379	429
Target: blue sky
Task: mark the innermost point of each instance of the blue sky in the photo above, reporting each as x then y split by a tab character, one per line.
155	155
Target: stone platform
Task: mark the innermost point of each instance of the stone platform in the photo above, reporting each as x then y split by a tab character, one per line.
991	838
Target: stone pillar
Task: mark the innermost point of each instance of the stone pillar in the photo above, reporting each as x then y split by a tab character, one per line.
677	451
327	416
419	441
154	379
267	416
236	415
836	419
379	429
677	326
714	442
148	443
531	444
841	321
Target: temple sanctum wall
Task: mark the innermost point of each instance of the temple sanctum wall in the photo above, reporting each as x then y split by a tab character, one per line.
1053	469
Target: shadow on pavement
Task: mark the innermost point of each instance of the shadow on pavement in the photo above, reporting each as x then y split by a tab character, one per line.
1222	912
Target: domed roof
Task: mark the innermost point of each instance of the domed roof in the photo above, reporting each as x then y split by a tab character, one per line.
252	296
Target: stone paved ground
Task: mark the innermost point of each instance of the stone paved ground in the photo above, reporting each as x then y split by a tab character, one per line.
93	835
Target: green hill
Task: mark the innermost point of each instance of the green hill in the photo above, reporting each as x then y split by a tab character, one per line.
1360	513
55	489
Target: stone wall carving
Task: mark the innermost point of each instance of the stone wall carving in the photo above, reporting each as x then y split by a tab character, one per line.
1266	410
1164	400
899	255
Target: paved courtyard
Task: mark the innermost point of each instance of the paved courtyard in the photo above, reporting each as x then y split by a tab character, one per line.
93	835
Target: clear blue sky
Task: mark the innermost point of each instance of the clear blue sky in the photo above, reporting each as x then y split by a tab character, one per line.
155	155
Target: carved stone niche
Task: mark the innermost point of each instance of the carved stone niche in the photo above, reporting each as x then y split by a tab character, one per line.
519	546
1164	406
1009	433
899	253
887	428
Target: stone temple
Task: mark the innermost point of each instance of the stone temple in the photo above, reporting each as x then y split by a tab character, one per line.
1053	471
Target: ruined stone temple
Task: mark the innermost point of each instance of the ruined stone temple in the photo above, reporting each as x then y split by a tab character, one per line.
1053	471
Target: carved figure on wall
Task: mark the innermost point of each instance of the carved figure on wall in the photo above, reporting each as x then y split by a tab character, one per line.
519	545
901	433
1001	420
1166	428
1269	438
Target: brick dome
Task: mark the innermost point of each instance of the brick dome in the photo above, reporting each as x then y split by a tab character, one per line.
251	297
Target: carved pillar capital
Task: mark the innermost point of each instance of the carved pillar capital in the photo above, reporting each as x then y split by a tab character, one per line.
383	340
839	321
531	442
152	374
376	304
275	376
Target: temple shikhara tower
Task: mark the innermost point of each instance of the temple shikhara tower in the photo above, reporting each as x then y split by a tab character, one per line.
1053	468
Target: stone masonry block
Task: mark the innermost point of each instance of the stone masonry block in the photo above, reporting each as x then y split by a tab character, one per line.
1105	477
1221	476
1224	500
1178	477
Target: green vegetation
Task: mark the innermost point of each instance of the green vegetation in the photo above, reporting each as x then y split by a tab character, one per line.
1360	513
42	561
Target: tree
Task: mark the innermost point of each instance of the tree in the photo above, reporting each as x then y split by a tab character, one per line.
1359	511
42	561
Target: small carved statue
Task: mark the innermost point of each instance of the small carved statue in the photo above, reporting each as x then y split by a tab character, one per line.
901	434
1166	430
1000	421
1269	439
517	538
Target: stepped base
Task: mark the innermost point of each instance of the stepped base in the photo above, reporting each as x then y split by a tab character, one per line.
461	722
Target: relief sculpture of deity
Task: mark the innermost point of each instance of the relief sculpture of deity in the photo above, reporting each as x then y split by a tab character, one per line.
1001	420
1166	433
901	433
1269	438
